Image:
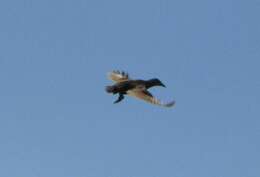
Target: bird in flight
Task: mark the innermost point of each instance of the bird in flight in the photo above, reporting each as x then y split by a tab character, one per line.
124	85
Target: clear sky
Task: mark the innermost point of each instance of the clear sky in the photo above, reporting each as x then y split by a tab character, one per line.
57	121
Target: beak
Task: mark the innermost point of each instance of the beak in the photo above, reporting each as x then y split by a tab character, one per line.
163	85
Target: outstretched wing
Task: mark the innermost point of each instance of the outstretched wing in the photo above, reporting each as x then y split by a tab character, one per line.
147	96
118	76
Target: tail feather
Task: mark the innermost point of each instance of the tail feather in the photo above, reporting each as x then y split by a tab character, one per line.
110	89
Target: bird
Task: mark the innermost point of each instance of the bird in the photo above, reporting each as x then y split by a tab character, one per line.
124	85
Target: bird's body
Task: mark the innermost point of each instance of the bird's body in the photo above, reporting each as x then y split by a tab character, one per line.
124	86
137	88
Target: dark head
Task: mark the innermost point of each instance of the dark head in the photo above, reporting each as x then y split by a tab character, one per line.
155	82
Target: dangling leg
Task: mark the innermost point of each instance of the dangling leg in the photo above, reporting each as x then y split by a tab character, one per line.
120	98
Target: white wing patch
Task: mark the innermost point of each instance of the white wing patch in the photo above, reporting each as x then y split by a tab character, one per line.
147	96
118	76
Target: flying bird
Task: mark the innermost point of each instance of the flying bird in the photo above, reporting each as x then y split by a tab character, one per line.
124	85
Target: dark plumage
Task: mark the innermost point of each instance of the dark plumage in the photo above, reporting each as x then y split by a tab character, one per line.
138	88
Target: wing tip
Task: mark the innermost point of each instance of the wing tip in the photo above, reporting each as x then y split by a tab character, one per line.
118	76
170	104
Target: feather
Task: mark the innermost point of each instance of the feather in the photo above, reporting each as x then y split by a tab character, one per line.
148	97
118	76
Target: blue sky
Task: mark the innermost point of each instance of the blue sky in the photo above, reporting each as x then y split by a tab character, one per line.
57	121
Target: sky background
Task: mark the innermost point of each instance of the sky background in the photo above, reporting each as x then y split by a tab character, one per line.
57	121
